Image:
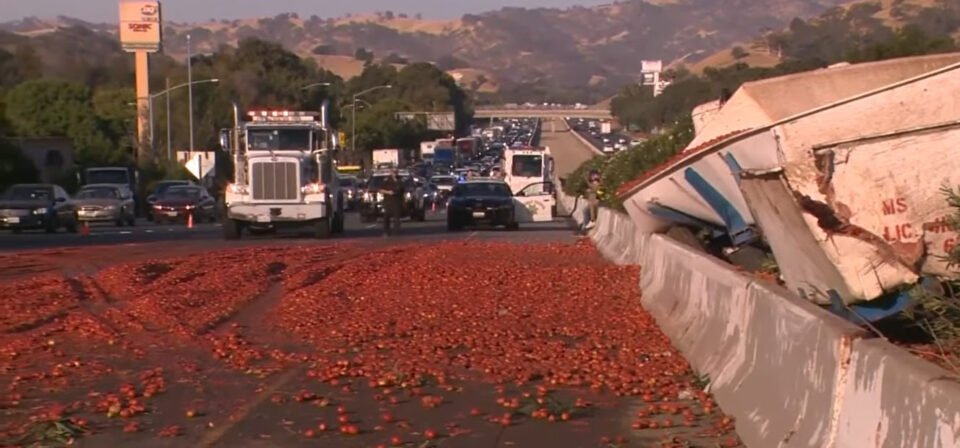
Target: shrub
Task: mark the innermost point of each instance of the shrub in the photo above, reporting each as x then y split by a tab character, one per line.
624	166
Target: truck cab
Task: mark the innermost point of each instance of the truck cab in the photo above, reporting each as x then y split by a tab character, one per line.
284	174
529	174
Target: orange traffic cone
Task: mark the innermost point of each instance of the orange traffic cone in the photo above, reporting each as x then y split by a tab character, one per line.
189	220
85	230
433	206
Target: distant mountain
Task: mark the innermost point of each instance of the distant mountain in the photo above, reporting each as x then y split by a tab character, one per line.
600	46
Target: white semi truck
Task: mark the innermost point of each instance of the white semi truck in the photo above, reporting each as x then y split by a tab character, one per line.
284	173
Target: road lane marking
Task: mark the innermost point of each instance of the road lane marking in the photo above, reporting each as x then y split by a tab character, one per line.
373	226
125	232
149	230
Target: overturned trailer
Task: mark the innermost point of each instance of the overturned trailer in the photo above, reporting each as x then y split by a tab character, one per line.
839	172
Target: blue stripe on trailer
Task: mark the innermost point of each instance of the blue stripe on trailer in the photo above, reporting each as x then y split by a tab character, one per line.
737	227
676	216
735	167
873	311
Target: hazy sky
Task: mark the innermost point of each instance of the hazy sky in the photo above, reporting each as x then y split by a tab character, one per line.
192	10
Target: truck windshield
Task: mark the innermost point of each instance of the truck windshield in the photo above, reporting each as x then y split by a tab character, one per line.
527	166
98	193
108	177
278	139
443	154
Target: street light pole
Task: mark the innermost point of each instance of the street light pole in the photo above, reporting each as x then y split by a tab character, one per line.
190	88
353	130
167	93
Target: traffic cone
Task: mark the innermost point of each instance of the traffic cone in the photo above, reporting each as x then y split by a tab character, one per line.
85	230
433	206
189	220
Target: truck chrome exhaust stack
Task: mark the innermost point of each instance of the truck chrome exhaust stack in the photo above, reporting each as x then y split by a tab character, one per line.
325	114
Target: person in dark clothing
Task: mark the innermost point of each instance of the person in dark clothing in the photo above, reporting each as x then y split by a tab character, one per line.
393	190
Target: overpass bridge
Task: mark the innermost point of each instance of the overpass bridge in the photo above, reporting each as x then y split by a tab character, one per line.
546	113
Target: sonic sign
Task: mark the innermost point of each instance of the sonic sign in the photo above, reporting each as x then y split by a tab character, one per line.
140	26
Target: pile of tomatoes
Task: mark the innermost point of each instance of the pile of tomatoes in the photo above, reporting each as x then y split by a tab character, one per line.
414	322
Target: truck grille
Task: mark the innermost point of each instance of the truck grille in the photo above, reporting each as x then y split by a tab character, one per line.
275	181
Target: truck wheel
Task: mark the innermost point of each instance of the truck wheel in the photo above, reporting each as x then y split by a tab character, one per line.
453	225
321	229
232	229
337	226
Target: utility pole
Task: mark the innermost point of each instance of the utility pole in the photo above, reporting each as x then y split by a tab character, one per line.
190	88
169	143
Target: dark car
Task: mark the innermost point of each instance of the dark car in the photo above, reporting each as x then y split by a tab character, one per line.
37	206
160	188
180	202
478	202
372	205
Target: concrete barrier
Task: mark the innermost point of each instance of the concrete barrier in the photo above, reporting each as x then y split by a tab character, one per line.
774	360
617	238
894	399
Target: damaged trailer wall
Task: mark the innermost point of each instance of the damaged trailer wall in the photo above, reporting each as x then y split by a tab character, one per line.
867	173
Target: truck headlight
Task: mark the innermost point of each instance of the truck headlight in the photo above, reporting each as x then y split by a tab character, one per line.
237	189
313	188
40	211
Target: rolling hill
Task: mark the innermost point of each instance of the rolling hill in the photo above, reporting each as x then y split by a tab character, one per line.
601	46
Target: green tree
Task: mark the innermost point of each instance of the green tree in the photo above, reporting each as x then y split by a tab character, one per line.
44	108
738	52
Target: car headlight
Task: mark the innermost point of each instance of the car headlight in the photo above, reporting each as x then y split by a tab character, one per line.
40	211
237	189
110	208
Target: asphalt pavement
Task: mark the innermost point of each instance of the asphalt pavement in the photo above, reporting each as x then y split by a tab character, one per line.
210	234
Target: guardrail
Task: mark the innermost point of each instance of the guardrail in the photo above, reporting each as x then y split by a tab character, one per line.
791	373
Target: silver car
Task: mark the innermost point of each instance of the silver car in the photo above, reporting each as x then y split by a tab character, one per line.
105	203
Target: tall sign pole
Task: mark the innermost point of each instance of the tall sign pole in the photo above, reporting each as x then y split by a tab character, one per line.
140	34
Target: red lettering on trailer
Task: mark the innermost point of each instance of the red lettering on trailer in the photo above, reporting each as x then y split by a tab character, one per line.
894	206
898	232
937	226
949	244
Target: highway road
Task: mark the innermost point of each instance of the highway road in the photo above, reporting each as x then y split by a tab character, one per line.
568	151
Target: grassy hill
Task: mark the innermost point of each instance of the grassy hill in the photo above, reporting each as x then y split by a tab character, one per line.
888	13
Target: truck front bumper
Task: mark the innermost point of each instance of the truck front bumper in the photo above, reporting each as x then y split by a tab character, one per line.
276	213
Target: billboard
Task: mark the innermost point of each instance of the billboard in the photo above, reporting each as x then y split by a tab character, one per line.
651	66
436	121
140	25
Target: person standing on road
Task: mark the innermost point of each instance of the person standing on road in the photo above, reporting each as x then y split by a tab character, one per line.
594	193
392	189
